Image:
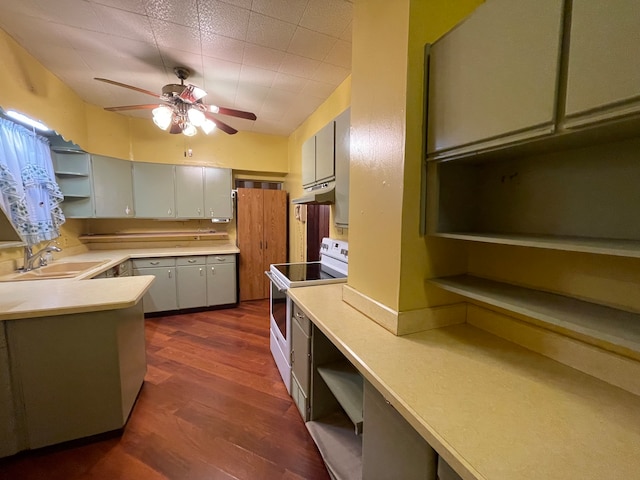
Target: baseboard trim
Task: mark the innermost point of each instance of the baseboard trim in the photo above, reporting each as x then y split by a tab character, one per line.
404	322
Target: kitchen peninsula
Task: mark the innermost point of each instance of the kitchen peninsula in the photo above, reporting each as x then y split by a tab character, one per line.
490	408
72	352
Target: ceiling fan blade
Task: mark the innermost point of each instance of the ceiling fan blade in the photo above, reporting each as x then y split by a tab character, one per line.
130	87
232	112
149	106
221	125
175	128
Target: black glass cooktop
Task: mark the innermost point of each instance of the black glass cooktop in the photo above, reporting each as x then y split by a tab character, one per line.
300	272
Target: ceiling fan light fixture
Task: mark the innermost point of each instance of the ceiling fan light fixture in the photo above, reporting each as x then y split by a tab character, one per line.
196	117
162	116
208	126
189	130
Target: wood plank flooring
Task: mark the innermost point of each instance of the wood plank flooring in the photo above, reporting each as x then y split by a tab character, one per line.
212	407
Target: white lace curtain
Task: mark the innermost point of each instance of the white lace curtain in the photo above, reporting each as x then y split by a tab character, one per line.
29	192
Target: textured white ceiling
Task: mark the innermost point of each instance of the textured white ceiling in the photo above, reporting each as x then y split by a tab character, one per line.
279	59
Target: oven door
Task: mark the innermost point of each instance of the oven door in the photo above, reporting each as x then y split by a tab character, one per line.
280	326
278	309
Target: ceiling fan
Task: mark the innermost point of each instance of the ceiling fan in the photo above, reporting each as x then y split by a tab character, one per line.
181	109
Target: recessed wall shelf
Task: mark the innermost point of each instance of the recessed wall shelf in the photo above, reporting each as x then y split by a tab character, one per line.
609	328
619	248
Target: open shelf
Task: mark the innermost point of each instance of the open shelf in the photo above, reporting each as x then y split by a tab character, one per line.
346	384
619	248
340	448
141	237
606	327
71	174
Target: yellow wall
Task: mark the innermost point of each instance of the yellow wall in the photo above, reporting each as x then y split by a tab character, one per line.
386	152
31	89
337	102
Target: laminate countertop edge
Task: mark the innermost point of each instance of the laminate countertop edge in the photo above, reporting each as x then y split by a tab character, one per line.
492	409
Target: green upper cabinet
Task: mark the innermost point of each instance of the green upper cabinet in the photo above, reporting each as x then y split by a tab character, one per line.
154	187
603	77
309	161
112	187
217	193
189	191
493	78
343	157
325	152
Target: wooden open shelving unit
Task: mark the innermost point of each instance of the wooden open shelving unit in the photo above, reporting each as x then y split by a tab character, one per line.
145	236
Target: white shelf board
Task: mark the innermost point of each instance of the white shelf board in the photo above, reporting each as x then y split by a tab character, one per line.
609	328
346	384
340	447
71	174
619	248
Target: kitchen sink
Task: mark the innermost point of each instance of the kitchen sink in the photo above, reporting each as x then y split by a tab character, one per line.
55	270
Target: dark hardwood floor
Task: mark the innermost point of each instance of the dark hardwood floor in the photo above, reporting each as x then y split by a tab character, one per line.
212	407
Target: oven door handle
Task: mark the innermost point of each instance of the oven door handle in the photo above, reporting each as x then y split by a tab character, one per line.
276	282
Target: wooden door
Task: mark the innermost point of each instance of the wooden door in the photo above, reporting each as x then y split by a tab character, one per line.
250	211
317	229
275	231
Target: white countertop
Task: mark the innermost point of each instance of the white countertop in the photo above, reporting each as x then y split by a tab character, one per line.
40	298
493	409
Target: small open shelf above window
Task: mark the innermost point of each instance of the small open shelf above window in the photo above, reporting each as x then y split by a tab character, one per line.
609	328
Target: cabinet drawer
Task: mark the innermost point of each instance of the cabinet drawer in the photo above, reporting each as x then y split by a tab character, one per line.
221	259
193	260
154	262
302	320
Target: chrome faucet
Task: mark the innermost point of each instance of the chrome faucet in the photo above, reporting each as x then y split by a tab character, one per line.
30	257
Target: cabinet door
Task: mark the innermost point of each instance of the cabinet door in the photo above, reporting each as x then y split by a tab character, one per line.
325	152
300	356
221	283
275	232
251	244
603	69
391	448
343	157
154	191
493	78
309	162
192	286
112	187
189	192
217	193
161	296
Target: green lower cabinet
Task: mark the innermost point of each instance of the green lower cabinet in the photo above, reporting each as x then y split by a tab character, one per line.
391	448
191	282
221	280
161	296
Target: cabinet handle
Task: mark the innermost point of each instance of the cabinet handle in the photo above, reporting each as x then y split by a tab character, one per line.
220	259
127	210
192	260
169	212
169	273
266	245
299	315
155	263
201	271
211	212
213	269
199	211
